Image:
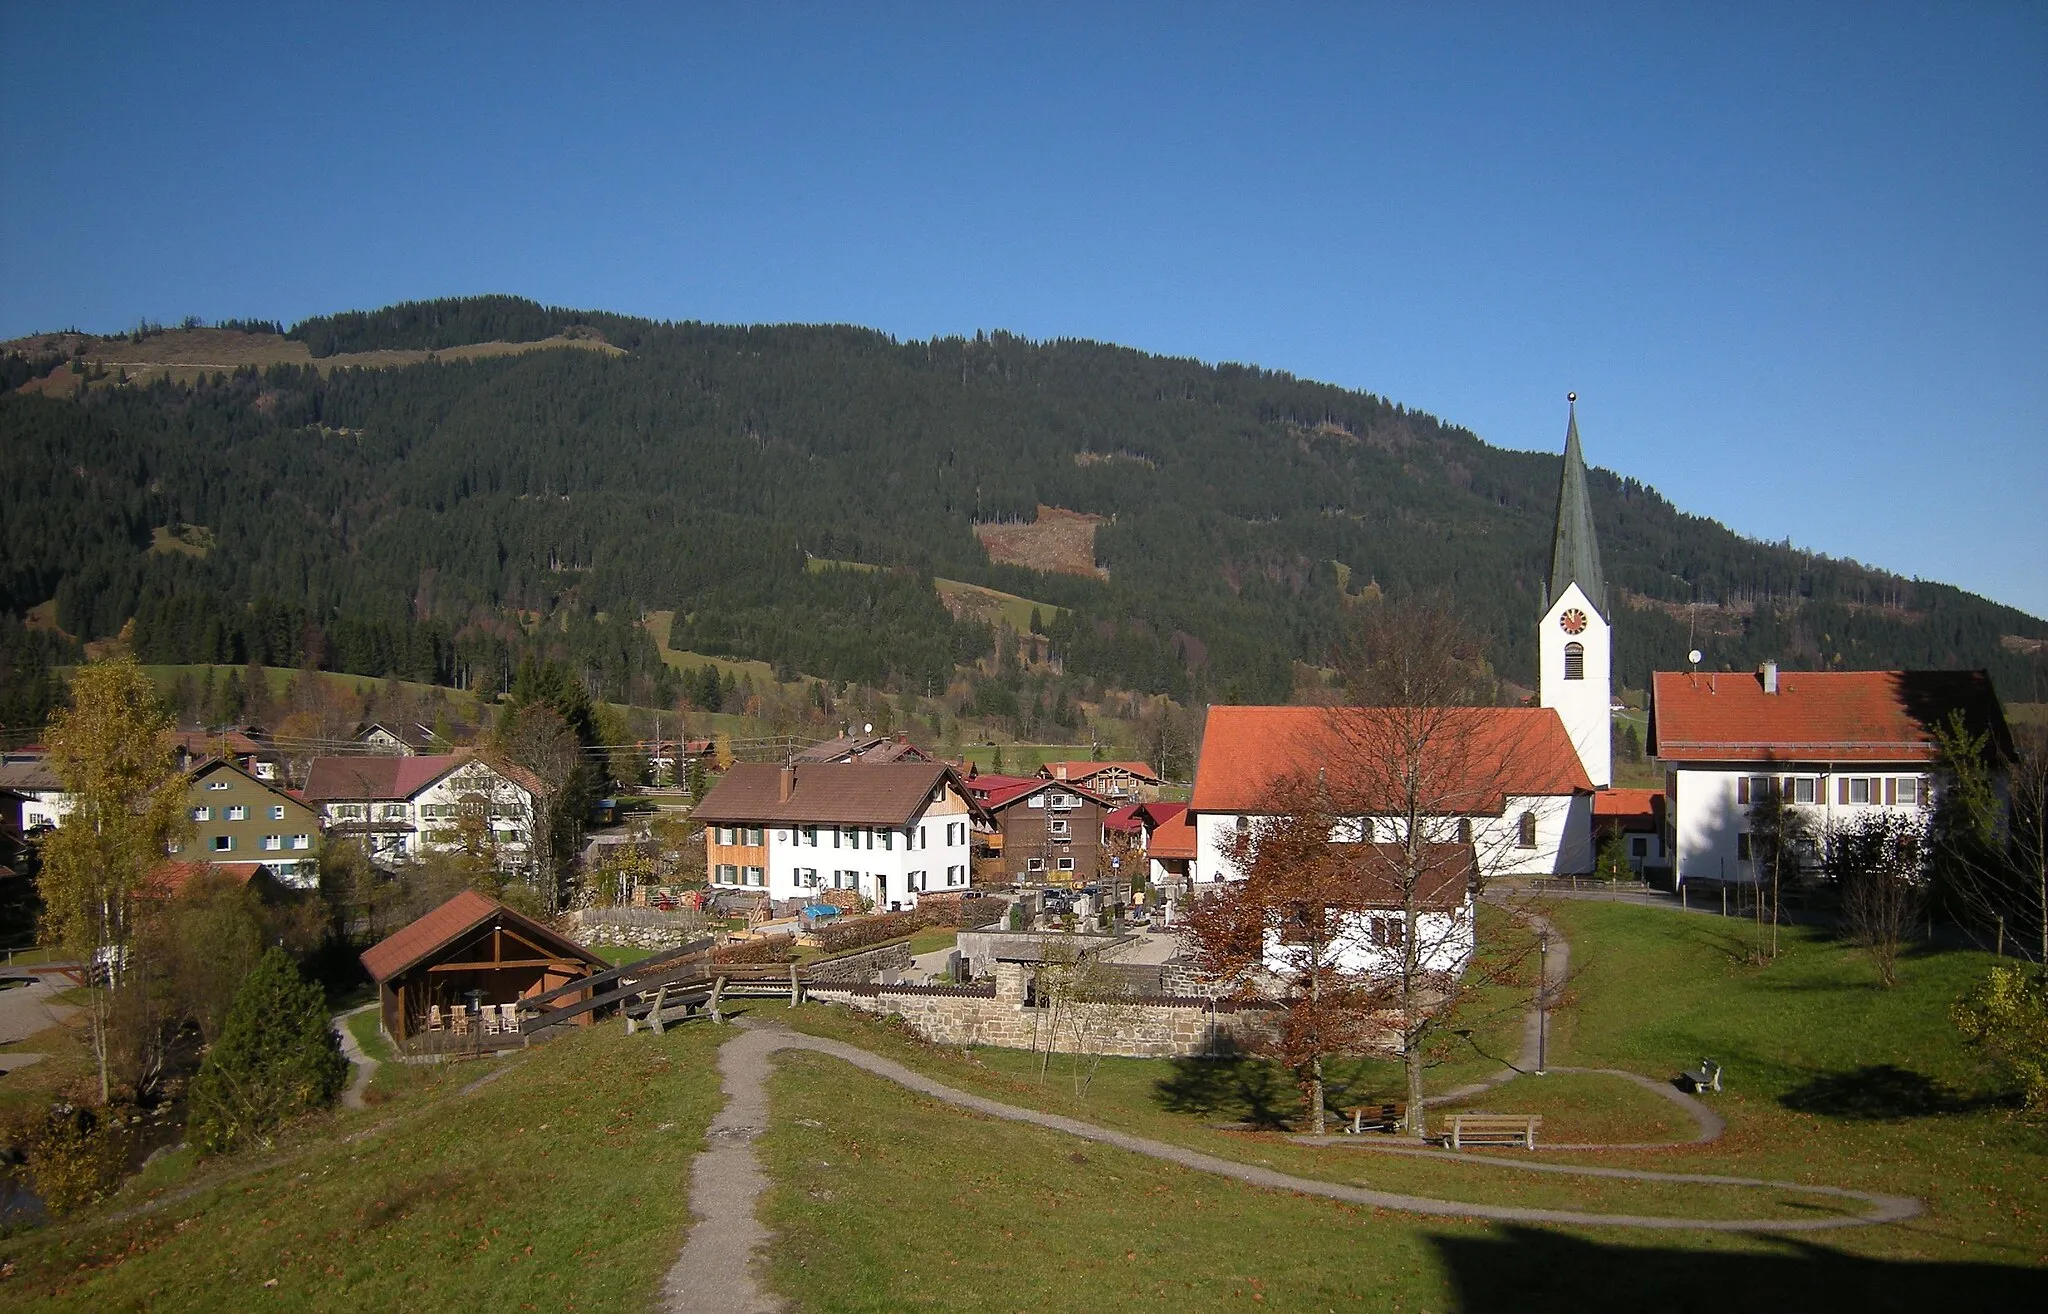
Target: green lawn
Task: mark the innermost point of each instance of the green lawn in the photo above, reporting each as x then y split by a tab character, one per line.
561	1185
618	955
1833	1080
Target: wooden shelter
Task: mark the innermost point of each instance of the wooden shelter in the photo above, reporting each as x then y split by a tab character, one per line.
470	949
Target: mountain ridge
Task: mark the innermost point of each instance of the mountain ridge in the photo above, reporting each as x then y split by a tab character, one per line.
1232	498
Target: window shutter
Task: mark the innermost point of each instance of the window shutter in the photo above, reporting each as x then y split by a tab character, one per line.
1742	789
1842	789
1891	790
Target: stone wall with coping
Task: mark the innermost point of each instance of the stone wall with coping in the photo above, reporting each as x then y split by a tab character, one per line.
1156	1027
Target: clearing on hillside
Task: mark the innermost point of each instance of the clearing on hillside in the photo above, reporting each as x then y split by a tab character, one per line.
1058	540
985	604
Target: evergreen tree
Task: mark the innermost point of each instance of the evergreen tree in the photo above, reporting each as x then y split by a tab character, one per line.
277	1058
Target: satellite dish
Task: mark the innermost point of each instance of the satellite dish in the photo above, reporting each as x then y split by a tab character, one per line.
869	728
1693	656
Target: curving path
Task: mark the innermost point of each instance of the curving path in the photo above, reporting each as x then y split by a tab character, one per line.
715	1270
362	1067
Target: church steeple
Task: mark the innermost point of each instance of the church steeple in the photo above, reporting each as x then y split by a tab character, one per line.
1575	552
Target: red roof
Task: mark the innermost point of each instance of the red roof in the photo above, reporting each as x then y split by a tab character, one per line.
1252	755
1173	838
1628	809
170	879
998	792
1124	820
381	776
468	910
1815	716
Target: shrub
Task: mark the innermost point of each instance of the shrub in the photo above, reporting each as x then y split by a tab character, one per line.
72	1155
277	1058
767	949
867	931
2006	1016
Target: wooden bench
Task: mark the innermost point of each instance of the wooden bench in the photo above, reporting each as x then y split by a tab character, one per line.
1375	1118
1494	1129
1706	1077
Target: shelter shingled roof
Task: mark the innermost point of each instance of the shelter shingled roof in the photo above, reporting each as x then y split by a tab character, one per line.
436	930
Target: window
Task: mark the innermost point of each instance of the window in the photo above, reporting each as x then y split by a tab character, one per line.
915	880
888	838
1525	833
202	814
223	843
273	843
1802	789
1639	847
392	812
1066	864
1065	801
1036	801
807	877
1464	830
1754	789
1034	864
1742	848
956	875
1244	825
728	874
302	841
1575	661
754	836
1909	792
216	784
755	876
1855	789
1058	826
1389	932
238	813
277	812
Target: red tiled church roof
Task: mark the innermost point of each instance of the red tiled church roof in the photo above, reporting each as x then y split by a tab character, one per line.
1836	716
1250	755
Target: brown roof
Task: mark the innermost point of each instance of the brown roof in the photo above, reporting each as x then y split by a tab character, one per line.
871	749
827	793
1079	771
35	776
414	943
1173	838
1628	809
1827	716
1253	755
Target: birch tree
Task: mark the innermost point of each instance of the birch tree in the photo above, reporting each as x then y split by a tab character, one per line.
112	751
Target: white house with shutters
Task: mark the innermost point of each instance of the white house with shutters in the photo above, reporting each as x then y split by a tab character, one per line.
401	808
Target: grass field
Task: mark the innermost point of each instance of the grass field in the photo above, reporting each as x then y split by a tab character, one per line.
559	1186
964	599
1833	1080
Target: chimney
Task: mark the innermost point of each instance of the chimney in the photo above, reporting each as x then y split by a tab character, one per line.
1770	676
786	785
1060	772
902	736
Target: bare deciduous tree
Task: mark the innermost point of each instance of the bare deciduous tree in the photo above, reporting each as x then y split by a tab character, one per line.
1878	862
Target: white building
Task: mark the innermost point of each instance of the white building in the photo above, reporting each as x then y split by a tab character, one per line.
1370	938
1833	745
43	800
891	831
403	807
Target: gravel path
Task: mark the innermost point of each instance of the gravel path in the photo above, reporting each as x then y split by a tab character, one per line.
717	1267
363	1067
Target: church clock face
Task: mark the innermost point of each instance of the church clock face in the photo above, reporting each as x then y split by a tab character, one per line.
1573	621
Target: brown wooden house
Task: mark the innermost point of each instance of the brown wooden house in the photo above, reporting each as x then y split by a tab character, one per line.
470	943
1044	832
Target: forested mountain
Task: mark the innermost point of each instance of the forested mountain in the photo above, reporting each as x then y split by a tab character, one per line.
440	520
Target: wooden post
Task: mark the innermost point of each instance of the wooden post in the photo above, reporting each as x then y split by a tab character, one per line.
1724	900
654	1015
1682	893
717	991
2001	935
796	994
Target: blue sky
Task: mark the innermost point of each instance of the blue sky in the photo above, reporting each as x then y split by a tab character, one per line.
1793	258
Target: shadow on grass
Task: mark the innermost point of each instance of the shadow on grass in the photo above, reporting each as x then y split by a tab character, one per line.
1251	1091
1528	1270
1880	1092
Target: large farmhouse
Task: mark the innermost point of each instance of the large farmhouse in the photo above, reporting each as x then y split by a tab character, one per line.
403	807
891	831
1831	745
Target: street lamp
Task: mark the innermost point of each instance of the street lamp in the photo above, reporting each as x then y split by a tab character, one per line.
1542	999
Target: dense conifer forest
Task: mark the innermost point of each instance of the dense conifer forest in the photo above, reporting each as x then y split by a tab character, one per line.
444	520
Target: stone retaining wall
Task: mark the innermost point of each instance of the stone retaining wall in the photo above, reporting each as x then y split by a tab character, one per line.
1158	1027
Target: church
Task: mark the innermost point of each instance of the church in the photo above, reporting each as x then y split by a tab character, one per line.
1524	806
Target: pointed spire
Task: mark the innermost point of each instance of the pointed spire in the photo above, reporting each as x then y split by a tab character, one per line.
1575	553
